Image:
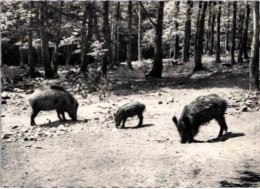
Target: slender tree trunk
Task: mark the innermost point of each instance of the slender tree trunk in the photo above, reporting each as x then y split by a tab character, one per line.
176	49
30	45
227	30
83	56
254	65
218	33
200	34
21	57
186	49
45	57
21	53
240	30
86	40
139	33
197	26
209	26
241	38
211	49
96	25
69	51
106	33
245	32
233	45
57	41
129	46
117	34
157	65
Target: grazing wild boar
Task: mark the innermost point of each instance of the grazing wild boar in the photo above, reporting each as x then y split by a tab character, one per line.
53	98
129	110
201	110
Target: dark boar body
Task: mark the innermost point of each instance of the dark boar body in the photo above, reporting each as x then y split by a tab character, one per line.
53	98
129	110
201	110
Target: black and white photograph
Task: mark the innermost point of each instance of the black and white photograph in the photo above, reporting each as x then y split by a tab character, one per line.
139	94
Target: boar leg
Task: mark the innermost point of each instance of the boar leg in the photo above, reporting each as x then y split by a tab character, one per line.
33	115
63	116
124	120
59	115
223	126
140	116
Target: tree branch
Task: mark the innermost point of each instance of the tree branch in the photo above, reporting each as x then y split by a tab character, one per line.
155	25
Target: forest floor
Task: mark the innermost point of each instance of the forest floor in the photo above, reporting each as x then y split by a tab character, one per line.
93	153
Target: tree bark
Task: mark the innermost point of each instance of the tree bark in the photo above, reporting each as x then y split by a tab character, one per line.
211	49
199	41
209	26
83	56
96	25
186	48
117	34
245	32
176	49
227	30
254	64
129	32
45	57
157	64
57	41
107	40
241	38
139	33
218	33
30	45
86	39
233	45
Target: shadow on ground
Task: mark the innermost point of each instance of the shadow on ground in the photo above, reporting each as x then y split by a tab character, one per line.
225	137
139	127
124	86
57	123
246	179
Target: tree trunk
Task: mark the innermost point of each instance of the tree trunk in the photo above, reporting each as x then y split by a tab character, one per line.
30	46
218	34
211	49
233	45
240	30
254	65
186	49
129	24
83	56
69	51
117	35
199	41
87	12
209	26
45	57
245	32
139	33
176	49
107	40
157	64
96	25
227	30
57	41
241	38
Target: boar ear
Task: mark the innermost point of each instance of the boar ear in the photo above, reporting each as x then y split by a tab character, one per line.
174	119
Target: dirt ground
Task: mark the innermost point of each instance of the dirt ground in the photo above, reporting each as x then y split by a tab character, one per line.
93	153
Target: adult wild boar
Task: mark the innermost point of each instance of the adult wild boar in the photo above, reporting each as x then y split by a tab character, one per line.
53	98
201	110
